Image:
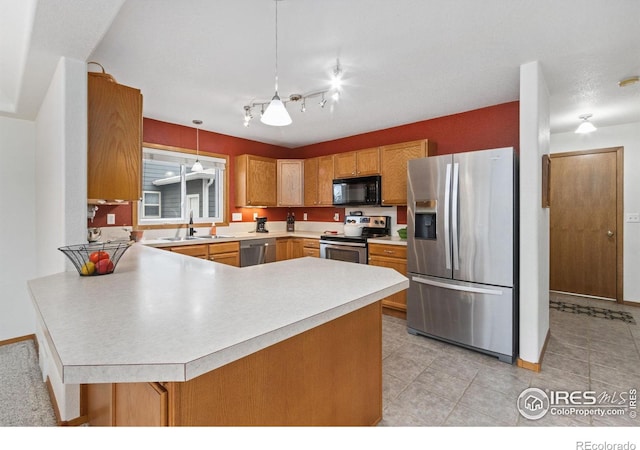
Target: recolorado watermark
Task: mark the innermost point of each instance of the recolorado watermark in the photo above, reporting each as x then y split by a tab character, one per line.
588	445
534	404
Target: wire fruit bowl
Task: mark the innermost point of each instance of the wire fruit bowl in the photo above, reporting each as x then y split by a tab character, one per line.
96	258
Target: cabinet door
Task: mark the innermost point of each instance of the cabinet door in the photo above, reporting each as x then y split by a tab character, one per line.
368	162
344	165
290	182
140	404
282	249
255	181
325	180
297	248
394	257
311	182
393	167
114	152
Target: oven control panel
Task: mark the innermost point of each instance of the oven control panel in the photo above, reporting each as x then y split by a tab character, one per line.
369	221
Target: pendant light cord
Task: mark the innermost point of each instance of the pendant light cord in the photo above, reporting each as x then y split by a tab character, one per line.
276	1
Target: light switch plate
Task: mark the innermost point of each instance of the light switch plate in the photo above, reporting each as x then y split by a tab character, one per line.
336	217
111	219
255	216
633	218
304	216
236	217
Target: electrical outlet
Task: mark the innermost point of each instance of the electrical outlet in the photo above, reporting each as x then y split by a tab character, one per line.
111	219
304	216
236	217
633	218
336	217
255	216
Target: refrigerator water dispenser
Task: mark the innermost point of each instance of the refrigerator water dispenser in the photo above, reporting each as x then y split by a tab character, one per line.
425	224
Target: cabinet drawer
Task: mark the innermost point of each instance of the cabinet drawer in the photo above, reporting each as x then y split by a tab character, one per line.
224	247
391	251
199	251
307	251
231	259
311	243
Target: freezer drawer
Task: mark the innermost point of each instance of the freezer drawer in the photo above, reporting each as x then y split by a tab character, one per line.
472	315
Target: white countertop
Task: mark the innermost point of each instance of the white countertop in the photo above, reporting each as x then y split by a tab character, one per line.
162	316
231	238
390	240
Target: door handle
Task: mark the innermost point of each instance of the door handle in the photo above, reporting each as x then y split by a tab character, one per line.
610	233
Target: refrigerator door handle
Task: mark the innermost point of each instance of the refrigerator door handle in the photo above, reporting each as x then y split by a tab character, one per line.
454	217
455	287
447	201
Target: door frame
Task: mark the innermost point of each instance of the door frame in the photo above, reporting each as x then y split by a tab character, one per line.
619	151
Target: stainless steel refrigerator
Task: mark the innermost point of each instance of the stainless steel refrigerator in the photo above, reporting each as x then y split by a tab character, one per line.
462	246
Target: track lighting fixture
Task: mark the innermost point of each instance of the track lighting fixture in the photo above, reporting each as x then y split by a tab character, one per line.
274	112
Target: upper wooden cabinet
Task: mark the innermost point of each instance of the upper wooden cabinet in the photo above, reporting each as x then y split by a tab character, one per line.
318	181
357	164
290	182
393	168
255	181
114	160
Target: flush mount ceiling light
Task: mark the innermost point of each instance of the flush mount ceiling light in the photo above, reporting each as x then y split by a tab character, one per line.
274	112
585	126
197	166
628	81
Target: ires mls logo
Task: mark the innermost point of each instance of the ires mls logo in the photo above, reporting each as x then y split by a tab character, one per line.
534	403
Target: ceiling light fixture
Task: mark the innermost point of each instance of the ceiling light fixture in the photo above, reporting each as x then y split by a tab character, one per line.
585	126
197	166
276	113
628	81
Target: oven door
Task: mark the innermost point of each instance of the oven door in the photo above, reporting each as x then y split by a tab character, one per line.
344	251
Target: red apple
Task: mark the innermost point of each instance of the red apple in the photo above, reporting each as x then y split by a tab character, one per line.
97	256
104	266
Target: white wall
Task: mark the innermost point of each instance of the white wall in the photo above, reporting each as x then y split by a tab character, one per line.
627	136
17	226
534	220
61	192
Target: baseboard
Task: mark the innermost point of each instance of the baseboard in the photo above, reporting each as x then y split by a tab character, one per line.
20	339
394	313
535	367
63	423
628	303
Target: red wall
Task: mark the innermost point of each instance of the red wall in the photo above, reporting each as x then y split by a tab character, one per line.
490	127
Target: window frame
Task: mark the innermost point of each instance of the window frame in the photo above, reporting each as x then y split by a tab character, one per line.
145	204
222	191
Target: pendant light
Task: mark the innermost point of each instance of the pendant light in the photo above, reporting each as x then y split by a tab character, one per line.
197	167
585	126
276	114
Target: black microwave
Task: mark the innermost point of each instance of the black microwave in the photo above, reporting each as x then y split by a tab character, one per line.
357	191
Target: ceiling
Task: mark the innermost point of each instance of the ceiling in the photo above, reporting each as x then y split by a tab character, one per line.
403	61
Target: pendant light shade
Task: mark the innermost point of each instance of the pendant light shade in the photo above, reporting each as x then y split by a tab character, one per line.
197	166
276	114
586	126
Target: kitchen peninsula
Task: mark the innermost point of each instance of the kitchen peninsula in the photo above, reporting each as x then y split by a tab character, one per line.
169	339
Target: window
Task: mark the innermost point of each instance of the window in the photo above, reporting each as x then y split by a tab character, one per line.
151	204
172	193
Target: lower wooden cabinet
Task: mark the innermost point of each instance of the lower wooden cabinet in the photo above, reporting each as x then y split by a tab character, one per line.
293	247
127	404
223	252
197	251
395	257
311	247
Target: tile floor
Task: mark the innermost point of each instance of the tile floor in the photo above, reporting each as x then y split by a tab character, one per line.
430	383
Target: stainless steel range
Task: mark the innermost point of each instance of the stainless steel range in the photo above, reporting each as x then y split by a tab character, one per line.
351	246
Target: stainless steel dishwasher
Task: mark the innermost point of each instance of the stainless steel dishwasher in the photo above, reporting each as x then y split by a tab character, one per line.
257	251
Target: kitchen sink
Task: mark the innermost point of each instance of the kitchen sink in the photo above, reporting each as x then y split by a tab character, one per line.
213	236
174	239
